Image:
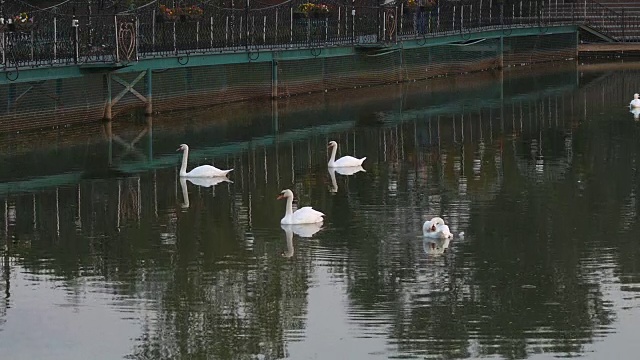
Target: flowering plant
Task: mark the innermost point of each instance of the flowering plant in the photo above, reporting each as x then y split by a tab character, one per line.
168	12
23	17
191	12
429	4
311	8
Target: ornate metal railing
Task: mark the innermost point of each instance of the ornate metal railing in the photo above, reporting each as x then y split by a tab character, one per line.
64	35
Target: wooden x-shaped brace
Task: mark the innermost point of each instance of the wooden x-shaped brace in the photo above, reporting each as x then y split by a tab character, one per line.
128	87
36	87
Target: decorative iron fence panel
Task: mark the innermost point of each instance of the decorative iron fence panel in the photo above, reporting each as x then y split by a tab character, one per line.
76	32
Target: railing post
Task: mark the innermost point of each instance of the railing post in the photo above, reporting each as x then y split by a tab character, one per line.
55	39
585	11
153	31
623	25
115	26
175	48
76	52
246	14
4	54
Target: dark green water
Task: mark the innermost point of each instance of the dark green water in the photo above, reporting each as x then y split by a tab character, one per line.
103	257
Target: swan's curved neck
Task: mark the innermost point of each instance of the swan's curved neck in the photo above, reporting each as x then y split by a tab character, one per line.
183	168
289	206
334	149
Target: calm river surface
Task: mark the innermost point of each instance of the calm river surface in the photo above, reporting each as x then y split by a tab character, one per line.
106	254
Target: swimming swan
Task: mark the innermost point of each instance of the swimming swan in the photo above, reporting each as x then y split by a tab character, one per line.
345	161
635	102
200	171
436	228
305	215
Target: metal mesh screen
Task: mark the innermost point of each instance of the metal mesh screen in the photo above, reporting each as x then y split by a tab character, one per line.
73	100
533	49
189	87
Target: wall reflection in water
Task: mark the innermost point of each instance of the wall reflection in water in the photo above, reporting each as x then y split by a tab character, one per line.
522	164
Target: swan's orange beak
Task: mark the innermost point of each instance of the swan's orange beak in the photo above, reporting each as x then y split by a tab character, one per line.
328	146
433	228
178	149
280	197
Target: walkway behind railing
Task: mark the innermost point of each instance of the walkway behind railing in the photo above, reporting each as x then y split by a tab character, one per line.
65	36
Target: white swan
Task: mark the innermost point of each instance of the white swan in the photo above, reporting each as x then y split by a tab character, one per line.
435	246
345	161
429	226
304	230
342	171
305	215
436	228
636	113
635	102
207	171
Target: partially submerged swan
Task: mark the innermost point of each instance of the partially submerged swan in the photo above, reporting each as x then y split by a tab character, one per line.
200	171
345	161
305	215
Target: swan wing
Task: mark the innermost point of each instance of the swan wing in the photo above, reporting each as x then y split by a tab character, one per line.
347	161
207	171
307	215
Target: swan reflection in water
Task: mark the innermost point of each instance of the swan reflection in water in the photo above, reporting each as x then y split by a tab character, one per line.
302	230
434	246
202	182
350	170
636	113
